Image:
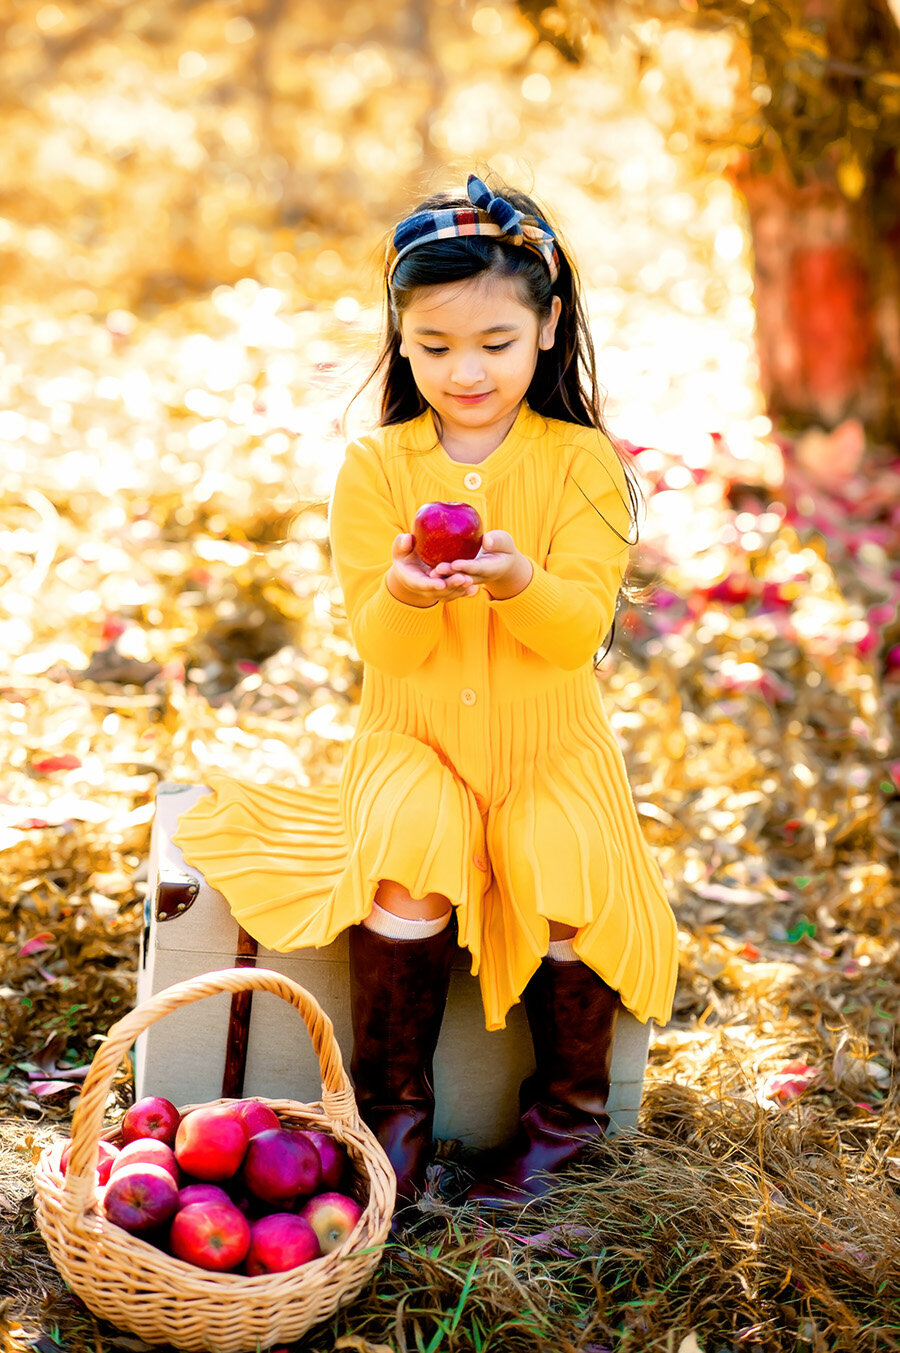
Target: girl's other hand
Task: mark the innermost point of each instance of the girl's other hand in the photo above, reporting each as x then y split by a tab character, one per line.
412	581
498	564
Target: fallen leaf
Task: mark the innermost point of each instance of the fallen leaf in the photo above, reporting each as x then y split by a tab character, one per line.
47	764
36	945
360	1345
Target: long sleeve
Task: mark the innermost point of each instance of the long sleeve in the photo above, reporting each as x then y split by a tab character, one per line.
363	522
568	606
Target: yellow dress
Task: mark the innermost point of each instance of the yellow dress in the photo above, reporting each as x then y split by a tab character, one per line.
483	765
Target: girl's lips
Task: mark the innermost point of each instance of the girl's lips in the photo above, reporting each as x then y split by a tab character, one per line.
472	399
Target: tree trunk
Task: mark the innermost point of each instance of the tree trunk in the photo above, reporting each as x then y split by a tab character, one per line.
827	287
827	296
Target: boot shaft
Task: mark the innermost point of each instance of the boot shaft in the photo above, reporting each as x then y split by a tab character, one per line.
572	1015
398	994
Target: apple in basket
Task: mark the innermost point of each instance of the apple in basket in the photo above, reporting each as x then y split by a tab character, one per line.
332	1216
140	1198
280	1164
278	1242
211	1142
147	1151
202	1193
255	1116
107	1154
443	532
332	1156
151	1116
212	1235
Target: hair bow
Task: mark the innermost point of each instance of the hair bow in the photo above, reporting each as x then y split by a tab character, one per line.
488	215
499	210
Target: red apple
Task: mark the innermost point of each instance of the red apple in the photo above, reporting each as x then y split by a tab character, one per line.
151	1116
211	1235
278	1242
210	1142
443	532
332	1216
107	1153
147	1151
332	1157
280	1164
140	1197
202	1193
255	1116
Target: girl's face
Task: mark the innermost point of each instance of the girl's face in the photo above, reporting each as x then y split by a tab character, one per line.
473	347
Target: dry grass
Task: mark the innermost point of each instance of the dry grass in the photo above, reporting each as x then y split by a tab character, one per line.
757	1228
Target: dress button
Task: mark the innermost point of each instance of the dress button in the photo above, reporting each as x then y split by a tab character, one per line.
468	697
481	863
472	480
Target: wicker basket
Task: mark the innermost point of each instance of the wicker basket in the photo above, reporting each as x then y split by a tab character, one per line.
138	1287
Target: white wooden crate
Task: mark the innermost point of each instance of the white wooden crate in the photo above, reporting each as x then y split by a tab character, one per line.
477	1073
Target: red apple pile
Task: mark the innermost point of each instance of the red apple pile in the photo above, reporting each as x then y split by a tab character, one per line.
228	1188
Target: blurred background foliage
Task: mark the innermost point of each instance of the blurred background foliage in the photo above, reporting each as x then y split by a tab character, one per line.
195	198
153	147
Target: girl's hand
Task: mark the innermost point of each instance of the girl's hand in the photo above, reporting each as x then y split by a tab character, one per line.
414	582
498	564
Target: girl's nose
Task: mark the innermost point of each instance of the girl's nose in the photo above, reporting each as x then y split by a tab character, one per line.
468	370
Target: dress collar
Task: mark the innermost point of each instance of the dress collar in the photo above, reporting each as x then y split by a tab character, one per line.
422	436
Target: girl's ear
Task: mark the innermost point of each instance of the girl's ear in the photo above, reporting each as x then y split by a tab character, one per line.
402	349
547	334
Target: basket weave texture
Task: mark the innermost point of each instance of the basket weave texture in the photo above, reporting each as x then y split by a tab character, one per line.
138	1287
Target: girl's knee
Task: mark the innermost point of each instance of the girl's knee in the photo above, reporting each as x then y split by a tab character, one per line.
558	931
393	896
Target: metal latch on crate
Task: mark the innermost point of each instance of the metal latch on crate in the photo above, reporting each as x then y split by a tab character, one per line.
175	895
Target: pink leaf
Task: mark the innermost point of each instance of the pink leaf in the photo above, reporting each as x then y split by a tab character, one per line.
44	1088
36	945
791	1081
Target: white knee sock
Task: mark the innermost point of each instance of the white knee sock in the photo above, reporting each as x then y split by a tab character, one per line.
563	951
403	928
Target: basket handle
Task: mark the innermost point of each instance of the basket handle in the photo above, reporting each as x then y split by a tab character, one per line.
337	1095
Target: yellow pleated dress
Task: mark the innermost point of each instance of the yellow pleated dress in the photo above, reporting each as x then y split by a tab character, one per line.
483	765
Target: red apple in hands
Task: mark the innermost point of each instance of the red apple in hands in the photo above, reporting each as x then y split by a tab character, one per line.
332	1156
151	1116
107	1154
214	1236
443	532
278	1242
255	1116
280	1164
211	1142
146	1151
140	1197
332	1216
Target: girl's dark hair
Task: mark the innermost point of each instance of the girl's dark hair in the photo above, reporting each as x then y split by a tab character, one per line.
564	385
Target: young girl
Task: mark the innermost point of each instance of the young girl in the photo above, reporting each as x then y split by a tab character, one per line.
484	800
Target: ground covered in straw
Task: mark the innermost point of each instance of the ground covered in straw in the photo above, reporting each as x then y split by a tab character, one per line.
757	1207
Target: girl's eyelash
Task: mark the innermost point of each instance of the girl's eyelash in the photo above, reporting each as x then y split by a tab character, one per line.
496	347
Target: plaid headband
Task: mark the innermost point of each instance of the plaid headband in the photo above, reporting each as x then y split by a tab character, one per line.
487	216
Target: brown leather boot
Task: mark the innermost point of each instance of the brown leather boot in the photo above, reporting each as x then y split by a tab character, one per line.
572	1015
398	991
